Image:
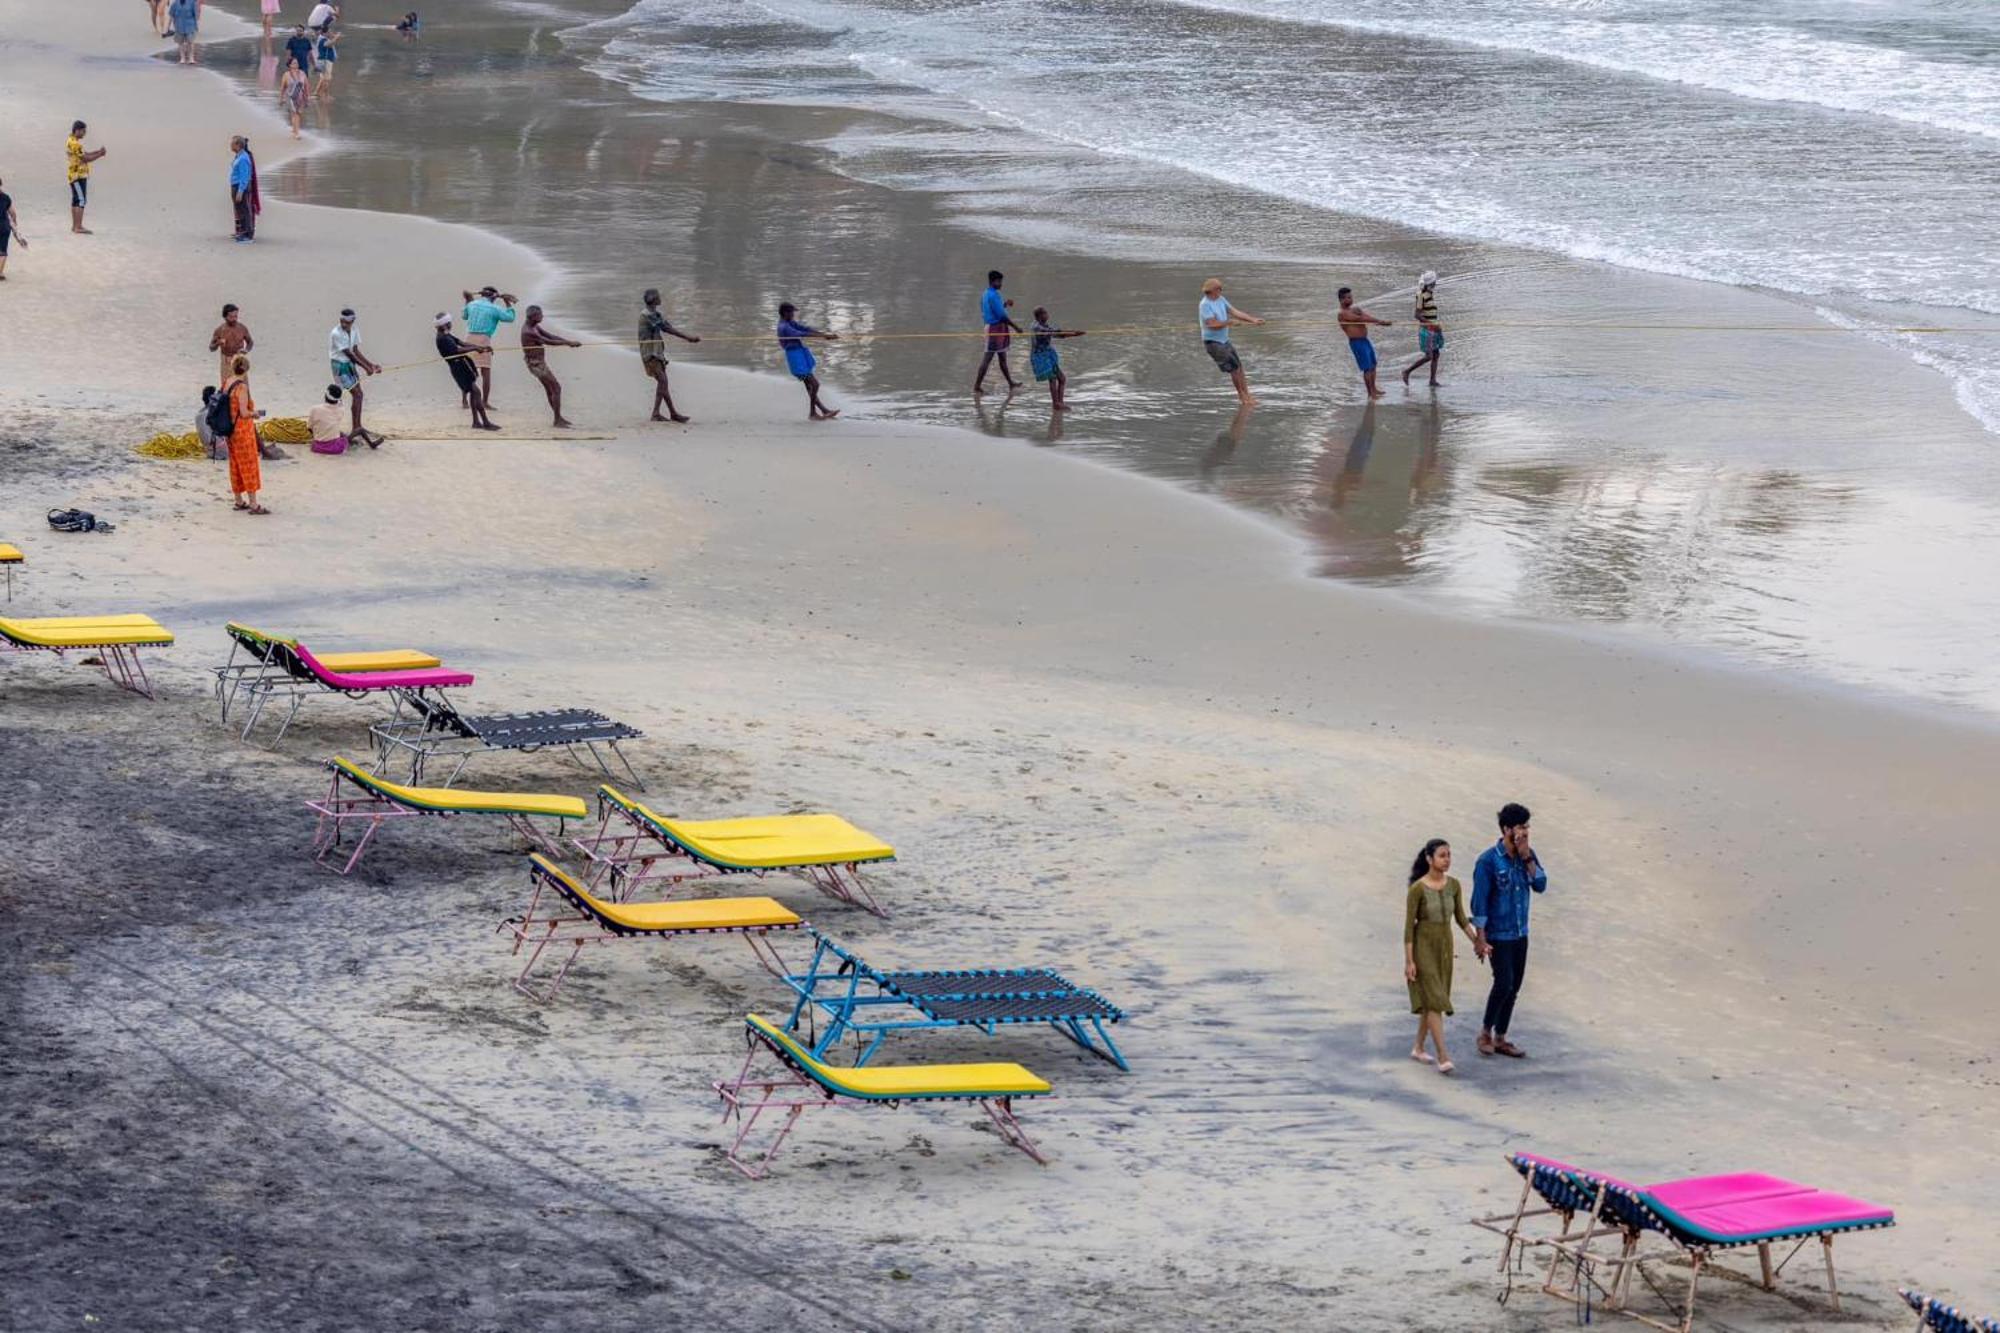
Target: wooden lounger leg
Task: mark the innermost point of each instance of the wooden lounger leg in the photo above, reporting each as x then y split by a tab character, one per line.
1694	1281
1832	1287
1513	1231
1001	1109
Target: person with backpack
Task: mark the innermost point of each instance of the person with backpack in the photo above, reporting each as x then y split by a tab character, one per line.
233	416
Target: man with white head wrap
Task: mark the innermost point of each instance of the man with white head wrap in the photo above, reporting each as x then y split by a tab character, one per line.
457	356
1430	333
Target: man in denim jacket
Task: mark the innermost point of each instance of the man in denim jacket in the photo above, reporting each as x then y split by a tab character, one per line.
1504	876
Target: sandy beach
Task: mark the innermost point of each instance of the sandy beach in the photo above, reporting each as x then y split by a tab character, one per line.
1112	727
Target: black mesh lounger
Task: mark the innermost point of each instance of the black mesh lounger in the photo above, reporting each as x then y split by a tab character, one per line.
845	988
436	728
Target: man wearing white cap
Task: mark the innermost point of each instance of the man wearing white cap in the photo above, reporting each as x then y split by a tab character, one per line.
343	350
458	360
1430	333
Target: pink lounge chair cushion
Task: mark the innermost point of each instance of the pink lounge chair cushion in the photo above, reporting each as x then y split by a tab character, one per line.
433	678
1715	1191
1802	1213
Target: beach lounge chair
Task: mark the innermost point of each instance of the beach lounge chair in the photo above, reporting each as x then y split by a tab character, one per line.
1563	1201
306	673
254	656
591	920
372	801
861	1000
435	728
116	640
806	1084
634	844
1937	1317
1704	1216
10	556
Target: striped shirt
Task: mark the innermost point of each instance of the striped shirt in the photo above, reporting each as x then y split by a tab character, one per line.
1427	306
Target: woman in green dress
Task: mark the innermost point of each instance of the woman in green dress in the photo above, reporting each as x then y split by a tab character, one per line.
1435	904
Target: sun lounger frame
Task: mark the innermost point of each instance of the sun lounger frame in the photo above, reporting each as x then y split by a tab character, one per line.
10	556
373	808
437	729
121	662
631	847
263	663
1630	1211
296	679
987	999
582	925
1563	1201
1937	1317
796	1090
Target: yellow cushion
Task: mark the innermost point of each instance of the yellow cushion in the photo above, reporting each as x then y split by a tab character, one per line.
767	842
92	622
891	1081
88	634
454	801
688	914
389	659
10	554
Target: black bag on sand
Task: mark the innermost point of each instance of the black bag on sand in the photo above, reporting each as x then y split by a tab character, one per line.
76	520
221	419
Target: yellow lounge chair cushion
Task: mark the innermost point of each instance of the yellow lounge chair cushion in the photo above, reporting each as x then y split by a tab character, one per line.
10	554
94	622
453	801
765	842
687	914
387	659
88	634
892	1081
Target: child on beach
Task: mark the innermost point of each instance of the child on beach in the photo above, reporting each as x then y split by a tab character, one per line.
799	358
1042	357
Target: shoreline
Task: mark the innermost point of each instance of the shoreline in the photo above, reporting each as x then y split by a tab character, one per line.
1107	730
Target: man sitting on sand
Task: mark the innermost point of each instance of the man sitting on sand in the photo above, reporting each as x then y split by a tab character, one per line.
536	339
654	330
458	360
1354	322
323	424
1217	315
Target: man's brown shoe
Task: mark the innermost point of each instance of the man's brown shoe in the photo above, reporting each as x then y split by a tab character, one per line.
1485	1043
1506	1047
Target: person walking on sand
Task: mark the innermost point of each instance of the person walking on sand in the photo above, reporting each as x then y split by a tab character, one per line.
536	339
1043	360
1354	322
80	159
323	16
1502	879
10	228
293	94
270	9
343	351
1435	904
1430	333
1217	317
186	18
327	51
653	333
458	360
1000	331
242	190
484	314
799	360
231	338
299	47
246	477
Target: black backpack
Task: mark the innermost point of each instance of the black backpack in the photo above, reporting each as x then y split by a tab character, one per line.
221	419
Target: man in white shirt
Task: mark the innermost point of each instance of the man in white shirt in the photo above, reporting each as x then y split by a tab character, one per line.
343	350
322	16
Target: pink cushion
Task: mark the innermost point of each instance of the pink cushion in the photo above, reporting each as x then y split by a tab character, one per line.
1805	1211
429	678
1713	1191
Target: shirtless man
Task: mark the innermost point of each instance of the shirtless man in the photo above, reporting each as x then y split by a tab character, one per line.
536	339
1354	322
654	330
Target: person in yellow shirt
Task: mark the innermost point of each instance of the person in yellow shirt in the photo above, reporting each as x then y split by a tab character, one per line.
80	159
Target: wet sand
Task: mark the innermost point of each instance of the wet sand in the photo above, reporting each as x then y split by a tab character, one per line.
1107	725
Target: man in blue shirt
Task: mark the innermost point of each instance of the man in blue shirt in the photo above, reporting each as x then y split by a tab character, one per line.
792	337
483	314
1216	316
239	189
1000	330
1502	880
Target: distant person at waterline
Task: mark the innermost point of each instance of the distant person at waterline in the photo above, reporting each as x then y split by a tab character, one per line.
410	26
792	337
1217	317
654	330
1000	331
1354	322
1044	360
1430	333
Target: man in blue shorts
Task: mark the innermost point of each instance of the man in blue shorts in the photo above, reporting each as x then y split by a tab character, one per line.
1354	322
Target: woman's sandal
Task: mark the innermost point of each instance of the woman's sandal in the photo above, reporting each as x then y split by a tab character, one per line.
241	505
1422	1057
258	509
1446	1067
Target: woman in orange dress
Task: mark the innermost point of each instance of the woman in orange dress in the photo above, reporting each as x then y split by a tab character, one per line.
245	477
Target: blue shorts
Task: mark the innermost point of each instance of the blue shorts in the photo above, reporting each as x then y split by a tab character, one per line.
1430	340
79	193
799	361
1364	353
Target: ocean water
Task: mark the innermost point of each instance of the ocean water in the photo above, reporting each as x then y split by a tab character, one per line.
1846	151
